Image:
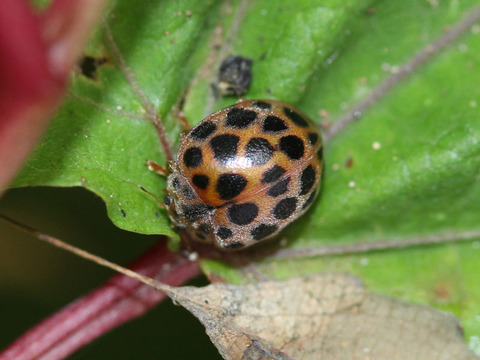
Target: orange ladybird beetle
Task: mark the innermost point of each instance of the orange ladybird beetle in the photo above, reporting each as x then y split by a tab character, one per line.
244	173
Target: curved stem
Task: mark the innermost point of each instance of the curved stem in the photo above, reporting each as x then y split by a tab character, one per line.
119	300
38	51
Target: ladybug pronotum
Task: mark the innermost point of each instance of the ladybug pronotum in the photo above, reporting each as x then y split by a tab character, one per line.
244	173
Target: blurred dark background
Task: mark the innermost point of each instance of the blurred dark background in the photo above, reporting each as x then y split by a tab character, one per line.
37	279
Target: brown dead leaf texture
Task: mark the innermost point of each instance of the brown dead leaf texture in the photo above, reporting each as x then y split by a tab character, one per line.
323	316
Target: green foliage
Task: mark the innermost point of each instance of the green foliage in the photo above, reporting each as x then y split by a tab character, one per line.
324	57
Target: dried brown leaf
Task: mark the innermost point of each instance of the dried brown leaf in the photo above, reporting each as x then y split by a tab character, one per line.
327	316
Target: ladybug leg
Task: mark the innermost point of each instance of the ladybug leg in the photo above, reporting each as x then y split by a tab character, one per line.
160	204
186	243
159	169
182	119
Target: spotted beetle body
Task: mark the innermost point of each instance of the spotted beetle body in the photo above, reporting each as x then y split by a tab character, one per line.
244	173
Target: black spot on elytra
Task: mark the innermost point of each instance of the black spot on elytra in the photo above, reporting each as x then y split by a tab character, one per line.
307	180
320	154
200	235
224	147
243	214
240	118
285	208
193	157
296	117
176	183
272	174
234	245
292	146
194	212
259	151
200	181
230	185
167	199
312	138
263	230
189	193
262	105
202	131
309	200
274	124
279	188
224	232
204	228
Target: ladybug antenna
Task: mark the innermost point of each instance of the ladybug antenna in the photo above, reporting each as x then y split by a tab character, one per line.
161	204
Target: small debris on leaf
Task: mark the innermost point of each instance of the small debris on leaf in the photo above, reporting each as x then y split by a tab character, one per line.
234	76
89	66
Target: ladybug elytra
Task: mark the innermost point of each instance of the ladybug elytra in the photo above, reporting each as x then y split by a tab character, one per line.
244	173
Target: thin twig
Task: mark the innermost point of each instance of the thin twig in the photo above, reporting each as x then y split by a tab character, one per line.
85	254
154	116
171	291
407	69
114	303
378	245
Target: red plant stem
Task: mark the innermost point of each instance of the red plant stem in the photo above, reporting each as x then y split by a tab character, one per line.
25	79
37	53
117	301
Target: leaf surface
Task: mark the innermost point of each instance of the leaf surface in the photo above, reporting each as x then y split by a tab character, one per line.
408	168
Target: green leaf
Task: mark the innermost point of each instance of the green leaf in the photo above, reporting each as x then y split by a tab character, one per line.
408	168
101	138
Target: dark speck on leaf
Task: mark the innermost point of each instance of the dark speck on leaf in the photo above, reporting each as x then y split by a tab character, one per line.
89	65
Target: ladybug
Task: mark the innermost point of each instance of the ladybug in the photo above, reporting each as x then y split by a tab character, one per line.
244	173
